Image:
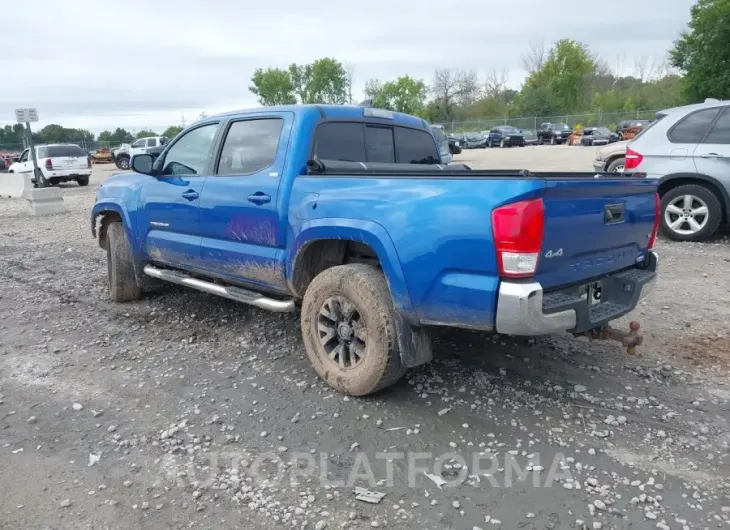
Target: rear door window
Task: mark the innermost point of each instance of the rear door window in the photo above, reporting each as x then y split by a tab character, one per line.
151	142
379	144
693	127
720	133
64	150
414	146
340	141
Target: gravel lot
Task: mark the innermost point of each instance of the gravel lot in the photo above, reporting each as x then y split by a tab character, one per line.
157	414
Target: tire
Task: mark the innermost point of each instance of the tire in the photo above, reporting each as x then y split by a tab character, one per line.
365	288
83	181
616	166
40	180
702	197
123	285
54	182
123	162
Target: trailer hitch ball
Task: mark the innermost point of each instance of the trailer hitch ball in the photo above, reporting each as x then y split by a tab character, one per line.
629	339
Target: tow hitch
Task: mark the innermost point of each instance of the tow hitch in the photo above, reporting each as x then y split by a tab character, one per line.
630	339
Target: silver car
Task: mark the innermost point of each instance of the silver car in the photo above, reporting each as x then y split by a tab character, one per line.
688	150
443	143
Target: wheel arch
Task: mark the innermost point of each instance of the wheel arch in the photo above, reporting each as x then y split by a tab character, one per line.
323	243
671	181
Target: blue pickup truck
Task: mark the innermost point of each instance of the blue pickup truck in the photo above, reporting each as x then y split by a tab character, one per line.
347	213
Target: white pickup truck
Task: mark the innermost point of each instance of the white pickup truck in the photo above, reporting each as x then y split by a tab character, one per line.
152	145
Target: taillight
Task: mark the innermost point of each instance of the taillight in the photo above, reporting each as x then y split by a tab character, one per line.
657	217
518	232
49	164
633	159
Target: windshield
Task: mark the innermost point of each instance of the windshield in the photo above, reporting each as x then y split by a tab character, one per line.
64	150
510	130
561	125
473	135
603	130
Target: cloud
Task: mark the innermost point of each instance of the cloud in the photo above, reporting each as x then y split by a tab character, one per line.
141	64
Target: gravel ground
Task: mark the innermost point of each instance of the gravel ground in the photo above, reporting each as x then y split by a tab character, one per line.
159	413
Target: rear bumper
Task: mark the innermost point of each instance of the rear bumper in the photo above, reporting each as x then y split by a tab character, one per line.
524	309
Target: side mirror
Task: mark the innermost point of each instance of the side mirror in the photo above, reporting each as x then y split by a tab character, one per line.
142	164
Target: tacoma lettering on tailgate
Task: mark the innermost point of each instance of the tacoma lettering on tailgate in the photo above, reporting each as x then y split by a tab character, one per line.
589	263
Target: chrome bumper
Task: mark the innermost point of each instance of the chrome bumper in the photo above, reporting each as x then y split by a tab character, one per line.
520	308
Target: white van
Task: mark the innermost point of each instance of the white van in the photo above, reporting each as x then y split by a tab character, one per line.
57	163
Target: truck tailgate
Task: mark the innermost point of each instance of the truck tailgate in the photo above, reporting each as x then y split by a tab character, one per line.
594	227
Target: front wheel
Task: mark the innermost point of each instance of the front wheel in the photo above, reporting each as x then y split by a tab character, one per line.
123	285
690	213
348	328
617	166
123	162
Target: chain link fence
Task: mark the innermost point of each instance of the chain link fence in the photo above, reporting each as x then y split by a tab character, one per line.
594	119
90	146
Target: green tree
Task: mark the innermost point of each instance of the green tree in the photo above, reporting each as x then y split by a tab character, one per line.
172	131
405	94
117	137
273	86
323	81
567	73
144	134
702	52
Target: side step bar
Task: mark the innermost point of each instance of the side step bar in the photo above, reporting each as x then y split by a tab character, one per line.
232	293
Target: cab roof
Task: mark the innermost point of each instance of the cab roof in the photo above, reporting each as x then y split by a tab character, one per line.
326	112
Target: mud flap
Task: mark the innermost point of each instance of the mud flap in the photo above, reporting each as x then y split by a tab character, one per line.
413	342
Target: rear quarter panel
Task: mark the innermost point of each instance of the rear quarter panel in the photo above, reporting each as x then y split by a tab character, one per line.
440	230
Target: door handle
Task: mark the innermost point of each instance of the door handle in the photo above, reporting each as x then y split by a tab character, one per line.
259	198
190	195
711	155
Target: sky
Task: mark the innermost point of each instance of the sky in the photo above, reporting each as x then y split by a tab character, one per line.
140	64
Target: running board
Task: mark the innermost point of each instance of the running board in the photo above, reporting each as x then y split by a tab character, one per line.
232	293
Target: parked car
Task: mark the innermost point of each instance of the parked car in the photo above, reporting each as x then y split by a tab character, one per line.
505	136
636	126
3	164
454	144
687	149
610	158
56	163
530	137
285	207
553	133
474	140
598	136
442	142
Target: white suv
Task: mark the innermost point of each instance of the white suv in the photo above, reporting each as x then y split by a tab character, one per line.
56	163
688	150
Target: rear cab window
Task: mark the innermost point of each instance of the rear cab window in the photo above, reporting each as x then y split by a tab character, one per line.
375	142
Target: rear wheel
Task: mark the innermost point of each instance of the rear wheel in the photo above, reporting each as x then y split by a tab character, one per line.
348	327
123	285
40	180
83	181
690	213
